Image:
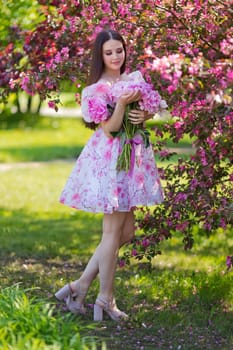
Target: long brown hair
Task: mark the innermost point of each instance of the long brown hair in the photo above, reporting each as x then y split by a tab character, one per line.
97	63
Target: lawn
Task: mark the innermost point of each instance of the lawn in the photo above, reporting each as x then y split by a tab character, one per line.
46	139
186	302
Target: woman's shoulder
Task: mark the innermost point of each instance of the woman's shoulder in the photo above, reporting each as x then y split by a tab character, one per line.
100	87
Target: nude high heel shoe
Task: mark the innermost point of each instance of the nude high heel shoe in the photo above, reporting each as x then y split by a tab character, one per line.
67	294
110	308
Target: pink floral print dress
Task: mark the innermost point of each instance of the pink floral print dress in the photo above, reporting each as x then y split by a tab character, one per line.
95	185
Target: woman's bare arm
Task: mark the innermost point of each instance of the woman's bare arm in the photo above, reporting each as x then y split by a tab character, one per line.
115	121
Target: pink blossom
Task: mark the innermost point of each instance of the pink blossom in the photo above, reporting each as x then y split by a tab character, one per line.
177	214
12	83
223	223
164	153
171	89
134	252
169	222
145	242
58	57
182	226
226	46
229	75
178	124
65	52
106	7
121	263
51	104
123	10
229	118
24	81
180	197
203	158
50	65
194	183
229	261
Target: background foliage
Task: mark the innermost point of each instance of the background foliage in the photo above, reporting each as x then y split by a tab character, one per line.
185	49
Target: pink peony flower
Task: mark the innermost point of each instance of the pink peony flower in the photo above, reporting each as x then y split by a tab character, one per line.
97	109
102	88
151	100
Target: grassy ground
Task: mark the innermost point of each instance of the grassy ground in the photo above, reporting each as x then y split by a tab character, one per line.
186	302
49	138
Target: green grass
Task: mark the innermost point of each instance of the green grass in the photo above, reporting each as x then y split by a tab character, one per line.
28	323
46	139
186	302
43	139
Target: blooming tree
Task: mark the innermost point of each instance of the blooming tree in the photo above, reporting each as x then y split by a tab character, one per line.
185	48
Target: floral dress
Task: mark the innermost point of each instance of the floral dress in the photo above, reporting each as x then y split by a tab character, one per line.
95	185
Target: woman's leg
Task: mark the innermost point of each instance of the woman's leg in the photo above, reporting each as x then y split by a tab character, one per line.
128	231
113	225
92	268
122	224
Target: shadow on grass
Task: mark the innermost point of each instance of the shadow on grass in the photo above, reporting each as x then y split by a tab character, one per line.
23	234
41	252
170	308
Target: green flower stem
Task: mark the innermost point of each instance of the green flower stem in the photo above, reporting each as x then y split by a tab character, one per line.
127	133
123	161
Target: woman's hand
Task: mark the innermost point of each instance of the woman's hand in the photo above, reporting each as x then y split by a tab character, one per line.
115	121
126	99
137	116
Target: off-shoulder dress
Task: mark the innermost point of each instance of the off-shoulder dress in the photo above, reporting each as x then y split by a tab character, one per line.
95	185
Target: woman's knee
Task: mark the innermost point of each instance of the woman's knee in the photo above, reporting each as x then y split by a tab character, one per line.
127	236
113	224
128	231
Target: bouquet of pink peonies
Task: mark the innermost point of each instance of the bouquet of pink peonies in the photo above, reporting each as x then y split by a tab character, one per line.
133	134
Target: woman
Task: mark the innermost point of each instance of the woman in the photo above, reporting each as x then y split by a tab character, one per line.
95	185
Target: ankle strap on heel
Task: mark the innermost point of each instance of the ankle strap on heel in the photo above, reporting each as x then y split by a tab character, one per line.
105	304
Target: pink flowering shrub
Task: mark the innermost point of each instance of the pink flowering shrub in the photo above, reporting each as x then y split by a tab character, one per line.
184	48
